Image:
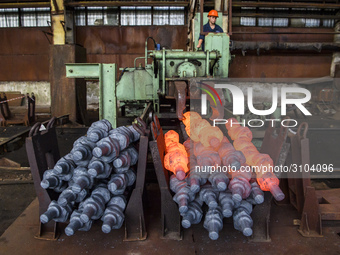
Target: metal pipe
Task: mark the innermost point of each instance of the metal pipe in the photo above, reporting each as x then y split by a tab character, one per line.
286	15
249	45
207	63
201	16
337	30
185	55
146	49
284	4
146	52
218	5
285	33
163	81
25	5
336	55
134	62
230	17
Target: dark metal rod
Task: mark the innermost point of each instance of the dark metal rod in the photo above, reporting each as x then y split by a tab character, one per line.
319	129
230	17
285	15
15	168
25	4
249	45
285	4
128	3
15	182
201	12
286	33
26	131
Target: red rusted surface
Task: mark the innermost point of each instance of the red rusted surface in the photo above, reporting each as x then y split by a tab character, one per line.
124	60
280	66
121	45
24	67
23	41
24	51
68	95
23	54
15	1
127	40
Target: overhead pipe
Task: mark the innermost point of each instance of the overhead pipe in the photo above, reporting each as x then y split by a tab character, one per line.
317	46
336	55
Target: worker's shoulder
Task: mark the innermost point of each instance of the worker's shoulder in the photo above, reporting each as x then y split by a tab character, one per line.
206	27
218	28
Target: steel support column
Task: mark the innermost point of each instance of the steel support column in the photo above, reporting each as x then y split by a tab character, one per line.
106	74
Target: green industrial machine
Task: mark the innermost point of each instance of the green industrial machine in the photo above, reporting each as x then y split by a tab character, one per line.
166	81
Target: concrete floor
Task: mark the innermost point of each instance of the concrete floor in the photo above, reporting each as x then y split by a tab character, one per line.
15	198
19	237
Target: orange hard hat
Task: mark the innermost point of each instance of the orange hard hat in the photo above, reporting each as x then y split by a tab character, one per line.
213	13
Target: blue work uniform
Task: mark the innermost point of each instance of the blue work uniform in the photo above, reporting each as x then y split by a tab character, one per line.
207	28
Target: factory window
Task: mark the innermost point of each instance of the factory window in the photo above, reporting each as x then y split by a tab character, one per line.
176	15
129	16
249	22
25	17
280	22
112	15
161	16
328	22
96	16
9	17
35	17
80	16
168	16
135	16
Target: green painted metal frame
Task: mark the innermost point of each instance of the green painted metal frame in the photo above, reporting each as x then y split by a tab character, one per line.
220	42
106	74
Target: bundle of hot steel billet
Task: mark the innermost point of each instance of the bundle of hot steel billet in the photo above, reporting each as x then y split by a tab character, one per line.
262	163
226	193
92	179
176	157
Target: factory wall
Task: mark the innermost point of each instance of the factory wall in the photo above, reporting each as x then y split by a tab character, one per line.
24	52
122	45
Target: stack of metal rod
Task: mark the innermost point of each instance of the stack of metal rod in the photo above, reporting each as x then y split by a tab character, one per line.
93	179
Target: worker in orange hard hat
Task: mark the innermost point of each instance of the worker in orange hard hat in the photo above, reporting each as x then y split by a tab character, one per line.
209	27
